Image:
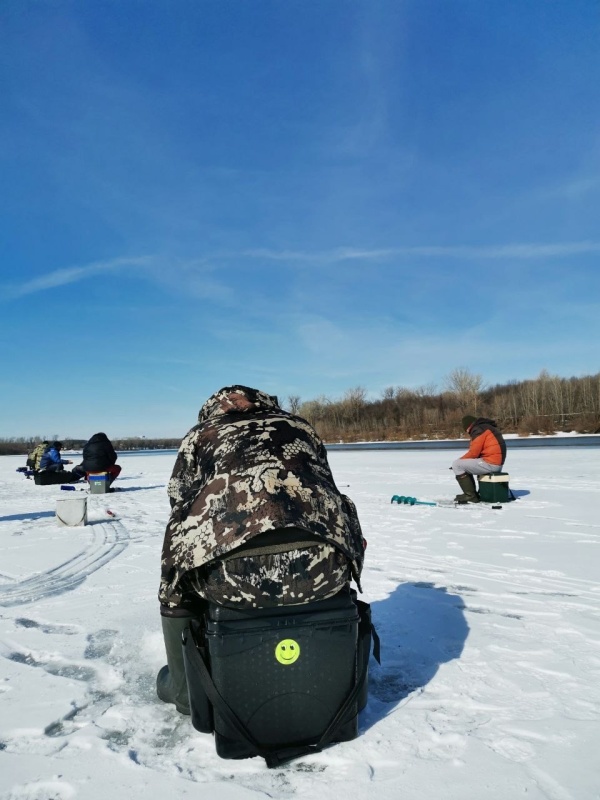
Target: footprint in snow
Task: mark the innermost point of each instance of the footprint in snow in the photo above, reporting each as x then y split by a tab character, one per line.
100	643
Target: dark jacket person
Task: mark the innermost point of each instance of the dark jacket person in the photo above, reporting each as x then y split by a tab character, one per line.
99	456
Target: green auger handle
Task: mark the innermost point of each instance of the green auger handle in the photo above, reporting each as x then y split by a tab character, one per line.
410	501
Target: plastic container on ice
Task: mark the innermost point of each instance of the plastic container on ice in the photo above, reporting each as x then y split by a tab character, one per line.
71	511
98	482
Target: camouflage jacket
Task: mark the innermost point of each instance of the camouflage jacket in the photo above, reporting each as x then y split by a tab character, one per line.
37	453
246	468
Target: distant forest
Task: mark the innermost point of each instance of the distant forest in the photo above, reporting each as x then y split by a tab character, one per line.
544	405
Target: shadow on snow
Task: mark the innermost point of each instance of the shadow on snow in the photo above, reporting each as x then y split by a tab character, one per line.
30	515
120	489
520	492
421	626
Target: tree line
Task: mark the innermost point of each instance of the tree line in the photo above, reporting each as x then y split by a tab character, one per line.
542	405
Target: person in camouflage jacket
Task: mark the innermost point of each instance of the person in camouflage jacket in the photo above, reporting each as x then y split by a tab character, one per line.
35	457
256	518
256	521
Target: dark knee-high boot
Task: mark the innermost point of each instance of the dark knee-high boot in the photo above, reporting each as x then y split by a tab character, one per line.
467	484
171	683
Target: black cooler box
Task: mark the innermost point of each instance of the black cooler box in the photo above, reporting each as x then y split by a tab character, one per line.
281	675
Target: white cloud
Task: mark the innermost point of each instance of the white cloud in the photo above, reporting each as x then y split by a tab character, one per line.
62	277
517	251
191	277
377	354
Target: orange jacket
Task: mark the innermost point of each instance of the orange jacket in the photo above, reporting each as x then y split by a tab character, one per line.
486	443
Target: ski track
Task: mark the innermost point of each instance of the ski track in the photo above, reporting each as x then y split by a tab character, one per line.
566	588
108	540
524	579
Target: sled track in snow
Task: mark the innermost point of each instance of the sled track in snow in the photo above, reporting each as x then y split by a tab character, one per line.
109	539
529	580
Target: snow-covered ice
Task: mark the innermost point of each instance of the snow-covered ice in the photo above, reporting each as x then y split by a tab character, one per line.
489	685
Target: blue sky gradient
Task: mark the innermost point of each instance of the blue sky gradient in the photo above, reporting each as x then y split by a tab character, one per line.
299	195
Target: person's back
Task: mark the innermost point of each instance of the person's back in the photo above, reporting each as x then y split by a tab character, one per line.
256	521
486	442
35	457
249	468
98	453
99	456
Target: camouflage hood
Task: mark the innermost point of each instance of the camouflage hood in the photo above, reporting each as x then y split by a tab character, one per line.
247	468
236	399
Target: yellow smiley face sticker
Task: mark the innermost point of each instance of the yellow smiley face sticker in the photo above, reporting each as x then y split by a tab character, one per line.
287	651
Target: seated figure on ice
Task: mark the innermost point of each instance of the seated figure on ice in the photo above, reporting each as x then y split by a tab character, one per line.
256	520
51	460
485	456
35	457
99	456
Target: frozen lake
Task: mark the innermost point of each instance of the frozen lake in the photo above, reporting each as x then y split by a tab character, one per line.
489	685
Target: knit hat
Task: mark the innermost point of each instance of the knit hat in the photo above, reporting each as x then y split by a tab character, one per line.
467	421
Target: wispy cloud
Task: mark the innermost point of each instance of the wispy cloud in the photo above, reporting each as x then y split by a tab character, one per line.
517	251
578	189
195	274
192	277
62	277
376	354
195	278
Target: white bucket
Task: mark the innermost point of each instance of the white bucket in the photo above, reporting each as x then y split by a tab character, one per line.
71	511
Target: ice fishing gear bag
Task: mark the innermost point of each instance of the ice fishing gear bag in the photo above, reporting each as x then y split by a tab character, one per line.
279	682
50	477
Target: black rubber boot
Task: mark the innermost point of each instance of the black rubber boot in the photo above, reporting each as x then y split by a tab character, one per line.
467	484
171	684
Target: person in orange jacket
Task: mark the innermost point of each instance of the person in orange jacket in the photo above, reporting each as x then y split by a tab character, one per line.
485	456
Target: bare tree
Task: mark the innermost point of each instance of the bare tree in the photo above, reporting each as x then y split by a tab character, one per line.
466	385
354	401
294	403
426	390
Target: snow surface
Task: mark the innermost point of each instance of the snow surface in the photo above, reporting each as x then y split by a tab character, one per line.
489	685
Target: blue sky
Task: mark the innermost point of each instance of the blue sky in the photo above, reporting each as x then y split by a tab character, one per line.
299	195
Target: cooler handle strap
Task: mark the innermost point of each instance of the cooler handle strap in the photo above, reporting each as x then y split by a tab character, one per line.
215	698
364	610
